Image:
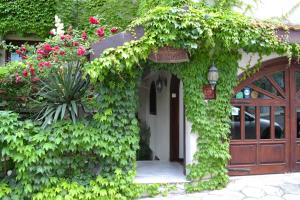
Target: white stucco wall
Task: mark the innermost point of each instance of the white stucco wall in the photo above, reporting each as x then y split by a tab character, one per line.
252	58
160	123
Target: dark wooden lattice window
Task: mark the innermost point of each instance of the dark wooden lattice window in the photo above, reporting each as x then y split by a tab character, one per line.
153	99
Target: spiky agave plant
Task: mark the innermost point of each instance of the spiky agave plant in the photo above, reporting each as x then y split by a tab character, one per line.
62	93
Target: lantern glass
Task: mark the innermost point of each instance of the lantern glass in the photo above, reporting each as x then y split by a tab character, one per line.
213	76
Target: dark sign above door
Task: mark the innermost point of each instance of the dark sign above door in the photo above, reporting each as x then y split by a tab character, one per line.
169	55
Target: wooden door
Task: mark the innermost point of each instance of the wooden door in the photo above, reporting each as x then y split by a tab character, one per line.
295	116
261	121
174	119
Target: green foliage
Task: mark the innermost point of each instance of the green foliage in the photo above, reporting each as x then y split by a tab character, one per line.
146	5
77	153
27	16
4	190
111	12
62	94
119	186
37	17
209	36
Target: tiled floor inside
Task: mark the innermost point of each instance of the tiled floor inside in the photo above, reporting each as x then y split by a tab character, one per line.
159	172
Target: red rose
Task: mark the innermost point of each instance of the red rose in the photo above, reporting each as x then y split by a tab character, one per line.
34	79
18	52
84	35
81	51
100	32
75	44
56	48
114	30
62	37
47	64
23	49
25	73
47	48
32	71
18	78
93	20
62	53
24	57
40	51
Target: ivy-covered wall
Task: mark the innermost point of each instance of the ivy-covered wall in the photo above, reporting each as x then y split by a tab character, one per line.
37	16
27	16
209	36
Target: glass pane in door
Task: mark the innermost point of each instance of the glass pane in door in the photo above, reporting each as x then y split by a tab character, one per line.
279	79
250	125
265	84
264	121
297	81
236	123
279	124
298	121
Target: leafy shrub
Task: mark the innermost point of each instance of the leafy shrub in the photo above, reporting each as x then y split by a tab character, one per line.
62	93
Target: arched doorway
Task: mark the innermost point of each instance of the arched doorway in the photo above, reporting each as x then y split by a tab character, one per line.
265	124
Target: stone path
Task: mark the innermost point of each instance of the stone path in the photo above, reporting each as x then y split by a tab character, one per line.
263	187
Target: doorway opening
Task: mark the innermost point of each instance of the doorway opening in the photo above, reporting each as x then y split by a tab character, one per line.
161	156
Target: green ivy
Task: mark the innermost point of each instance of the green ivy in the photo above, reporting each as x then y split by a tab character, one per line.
27	16
209	36
111	12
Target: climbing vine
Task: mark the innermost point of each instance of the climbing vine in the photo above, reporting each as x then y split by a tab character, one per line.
95	158
209	36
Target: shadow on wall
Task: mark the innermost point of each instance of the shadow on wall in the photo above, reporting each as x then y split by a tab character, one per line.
145	152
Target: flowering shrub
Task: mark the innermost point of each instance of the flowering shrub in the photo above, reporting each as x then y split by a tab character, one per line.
46	66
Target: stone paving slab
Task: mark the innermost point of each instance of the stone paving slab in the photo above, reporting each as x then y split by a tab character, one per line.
259	187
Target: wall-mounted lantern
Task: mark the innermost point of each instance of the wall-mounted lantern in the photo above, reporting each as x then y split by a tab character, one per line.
213	76
160	83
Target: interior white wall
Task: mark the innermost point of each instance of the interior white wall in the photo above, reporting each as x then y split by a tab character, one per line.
160	123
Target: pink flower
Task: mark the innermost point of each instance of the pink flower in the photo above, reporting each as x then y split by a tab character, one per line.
47	48
47	64
93	20
62	37
32	71
23	49
18	52
18	78
62	53
25	73
40	51
34	79
52	33
56	48
84	35
75	44
81	51
24	57
100	32
114	30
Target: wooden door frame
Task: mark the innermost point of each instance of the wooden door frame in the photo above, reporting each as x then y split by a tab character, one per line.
174	119
294	103
267	67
